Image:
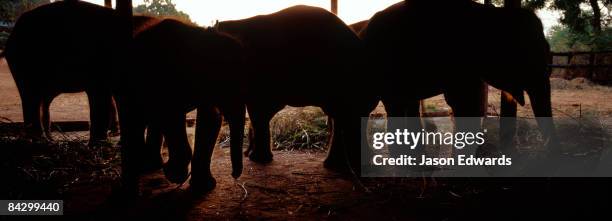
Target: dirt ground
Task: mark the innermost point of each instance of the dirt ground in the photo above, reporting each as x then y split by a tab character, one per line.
66	107
295	186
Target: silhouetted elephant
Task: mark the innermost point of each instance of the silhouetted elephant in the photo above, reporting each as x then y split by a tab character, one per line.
65	47
303	56
423	48
178	68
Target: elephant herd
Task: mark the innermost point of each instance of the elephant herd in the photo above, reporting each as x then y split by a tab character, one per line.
299	56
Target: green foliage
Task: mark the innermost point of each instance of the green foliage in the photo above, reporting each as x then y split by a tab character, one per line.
41	169
576	19
11	9
161	8
532	4
563	38
575	16
300	129
584	26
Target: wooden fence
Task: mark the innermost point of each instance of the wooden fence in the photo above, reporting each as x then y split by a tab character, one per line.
590	67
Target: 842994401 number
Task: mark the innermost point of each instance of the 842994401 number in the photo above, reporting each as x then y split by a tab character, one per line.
31	207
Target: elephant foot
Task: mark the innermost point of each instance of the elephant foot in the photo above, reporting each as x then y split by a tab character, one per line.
39	138
42	140
258	157
98	140
200	186
177	171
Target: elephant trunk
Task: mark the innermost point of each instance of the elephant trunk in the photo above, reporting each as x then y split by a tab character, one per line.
236	122
507	122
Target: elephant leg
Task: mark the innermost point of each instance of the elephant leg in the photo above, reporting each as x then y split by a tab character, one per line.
235	116
336	156
352	142
261	115
100	103
114	120
466	102
251	138
539	95
151	155
31	105
358	149
174	130
131	115
403	114
46	115
507	123
208	124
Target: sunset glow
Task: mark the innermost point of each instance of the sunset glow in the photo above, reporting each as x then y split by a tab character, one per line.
205	12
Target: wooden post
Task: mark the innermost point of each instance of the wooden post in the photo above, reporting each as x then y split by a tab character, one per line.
591	71
129	145
124	7
108	3
334	6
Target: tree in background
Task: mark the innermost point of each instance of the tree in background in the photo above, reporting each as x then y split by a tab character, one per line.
578	15
562	38
11	9
161	8
584	25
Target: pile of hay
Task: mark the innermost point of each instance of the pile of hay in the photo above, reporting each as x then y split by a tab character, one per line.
299	129
48	169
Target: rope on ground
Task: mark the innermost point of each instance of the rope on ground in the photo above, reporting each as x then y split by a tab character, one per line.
181	184
246	192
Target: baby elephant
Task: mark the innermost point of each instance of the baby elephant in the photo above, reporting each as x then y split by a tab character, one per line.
304	56
178	68
64	47
503	47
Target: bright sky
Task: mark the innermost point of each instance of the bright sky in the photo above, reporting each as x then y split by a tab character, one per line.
205	12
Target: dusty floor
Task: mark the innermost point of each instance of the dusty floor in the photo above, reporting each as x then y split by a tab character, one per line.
296	186
293	186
